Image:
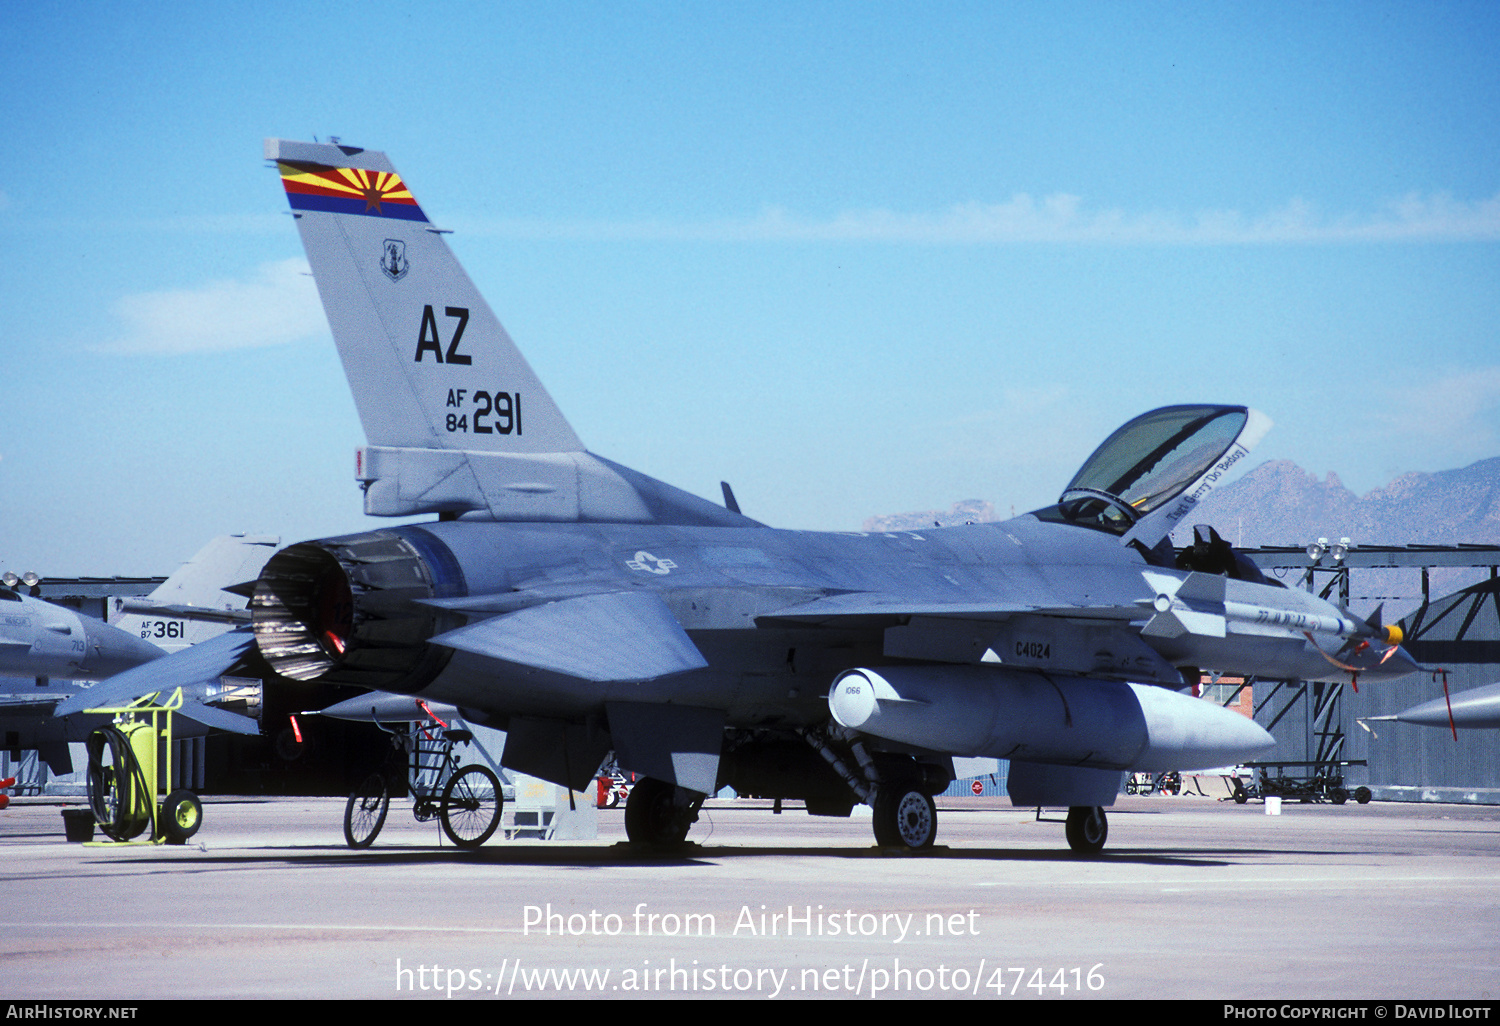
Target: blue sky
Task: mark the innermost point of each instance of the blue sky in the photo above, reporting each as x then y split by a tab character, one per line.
856	258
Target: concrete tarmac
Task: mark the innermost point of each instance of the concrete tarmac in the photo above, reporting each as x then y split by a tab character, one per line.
1194	898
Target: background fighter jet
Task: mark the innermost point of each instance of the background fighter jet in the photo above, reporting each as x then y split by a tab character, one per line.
39	639
584	607
48	644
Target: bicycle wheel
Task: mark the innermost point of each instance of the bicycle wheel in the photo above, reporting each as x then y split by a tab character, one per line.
471	806
365	813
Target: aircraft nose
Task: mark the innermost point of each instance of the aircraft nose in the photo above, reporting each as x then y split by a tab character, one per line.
112	651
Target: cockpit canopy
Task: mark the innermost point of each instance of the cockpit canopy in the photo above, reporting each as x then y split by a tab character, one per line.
1151	461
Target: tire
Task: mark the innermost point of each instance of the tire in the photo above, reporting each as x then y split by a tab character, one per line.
1362	795
1339	796
365	813
181	816
1087	829
471	806
652	816
905	818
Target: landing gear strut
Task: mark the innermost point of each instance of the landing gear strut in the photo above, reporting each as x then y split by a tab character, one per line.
1087	829
659	814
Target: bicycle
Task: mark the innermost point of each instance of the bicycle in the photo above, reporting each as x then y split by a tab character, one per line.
467	799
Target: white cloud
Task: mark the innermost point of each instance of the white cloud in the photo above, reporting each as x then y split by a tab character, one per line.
1064	218
274	305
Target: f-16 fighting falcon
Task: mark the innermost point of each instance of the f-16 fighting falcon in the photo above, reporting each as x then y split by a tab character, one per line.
586	608
49	643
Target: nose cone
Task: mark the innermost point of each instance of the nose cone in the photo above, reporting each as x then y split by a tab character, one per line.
1477	708
112	651
1189	733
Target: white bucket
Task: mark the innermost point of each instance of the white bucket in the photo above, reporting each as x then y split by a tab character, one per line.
1273	805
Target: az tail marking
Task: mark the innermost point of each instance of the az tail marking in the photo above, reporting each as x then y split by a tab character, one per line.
428	340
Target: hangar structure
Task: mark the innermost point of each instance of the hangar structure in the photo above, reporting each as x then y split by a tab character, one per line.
1458	632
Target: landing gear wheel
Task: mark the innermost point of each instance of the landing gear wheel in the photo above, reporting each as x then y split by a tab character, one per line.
1087	829
365	813
181	816
471	806
654	817
905	818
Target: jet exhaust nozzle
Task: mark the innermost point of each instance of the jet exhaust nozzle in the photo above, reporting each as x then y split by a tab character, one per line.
1052	718
343	611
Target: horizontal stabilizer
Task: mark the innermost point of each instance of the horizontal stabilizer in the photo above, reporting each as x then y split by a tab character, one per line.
203	663
519	597
219	719
207	614
614	636
381	707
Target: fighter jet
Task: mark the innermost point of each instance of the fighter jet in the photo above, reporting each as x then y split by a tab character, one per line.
49	644
585	608
39	639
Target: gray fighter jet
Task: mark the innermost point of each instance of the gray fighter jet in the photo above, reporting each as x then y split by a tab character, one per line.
584	607
55	648
43	640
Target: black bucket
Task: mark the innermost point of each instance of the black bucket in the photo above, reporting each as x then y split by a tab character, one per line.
78	824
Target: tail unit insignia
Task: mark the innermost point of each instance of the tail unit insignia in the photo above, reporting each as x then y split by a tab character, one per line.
456	422
348	190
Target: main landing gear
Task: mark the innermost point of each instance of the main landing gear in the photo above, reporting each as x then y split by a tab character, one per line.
904	818
659	814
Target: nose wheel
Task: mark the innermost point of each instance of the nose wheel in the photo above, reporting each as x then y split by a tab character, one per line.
1087	829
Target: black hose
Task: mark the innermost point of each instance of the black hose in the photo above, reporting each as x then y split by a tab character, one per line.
119	823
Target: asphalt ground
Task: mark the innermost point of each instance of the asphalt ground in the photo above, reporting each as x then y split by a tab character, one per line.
1194	898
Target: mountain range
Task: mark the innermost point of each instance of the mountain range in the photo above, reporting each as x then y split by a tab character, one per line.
1279	503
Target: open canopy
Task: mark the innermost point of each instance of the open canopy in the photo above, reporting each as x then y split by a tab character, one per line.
1171	453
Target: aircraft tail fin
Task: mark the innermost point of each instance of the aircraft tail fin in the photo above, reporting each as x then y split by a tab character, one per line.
455	418
195	603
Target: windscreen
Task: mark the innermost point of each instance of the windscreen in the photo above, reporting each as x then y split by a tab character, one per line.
1147	463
